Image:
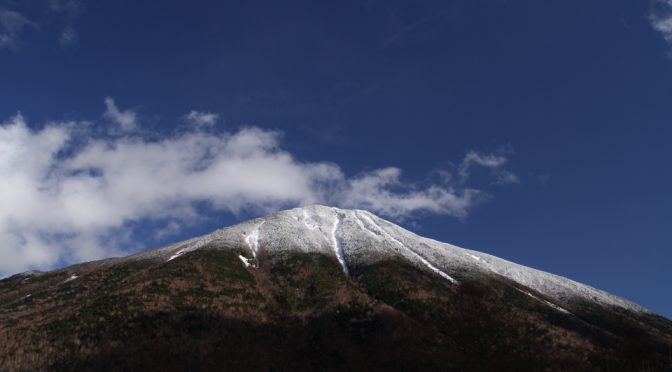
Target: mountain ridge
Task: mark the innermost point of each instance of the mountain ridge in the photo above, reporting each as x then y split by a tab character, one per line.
332	238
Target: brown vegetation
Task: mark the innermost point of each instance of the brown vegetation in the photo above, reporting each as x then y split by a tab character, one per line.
207	311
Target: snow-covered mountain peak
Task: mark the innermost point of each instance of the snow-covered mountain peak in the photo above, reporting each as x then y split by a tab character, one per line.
357	238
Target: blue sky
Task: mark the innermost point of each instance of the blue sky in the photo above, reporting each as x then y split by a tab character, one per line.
534	131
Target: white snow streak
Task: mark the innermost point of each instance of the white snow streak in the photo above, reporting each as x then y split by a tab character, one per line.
337	249
71	278
483	262
244	259
359	222
552	305
409	250
252	241
176	255
192	245
556	307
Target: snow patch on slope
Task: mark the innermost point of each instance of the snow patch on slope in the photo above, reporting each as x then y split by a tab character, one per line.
244	260
176	255
71	278
252	241
337	248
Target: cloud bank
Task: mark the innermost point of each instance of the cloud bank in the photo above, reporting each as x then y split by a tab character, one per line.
70	193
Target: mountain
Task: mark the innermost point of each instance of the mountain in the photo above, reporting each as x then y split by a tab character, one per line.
320	288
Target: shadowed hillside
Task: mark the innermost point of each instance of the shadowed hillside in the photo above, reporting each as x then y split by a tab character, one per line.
208	311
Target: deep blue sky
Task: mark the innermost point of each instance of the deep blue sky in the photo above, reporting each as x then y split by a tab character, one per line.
579	92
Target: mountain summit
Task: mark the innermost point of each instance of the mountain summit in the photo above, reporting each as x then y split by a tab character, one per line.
358	238
320	288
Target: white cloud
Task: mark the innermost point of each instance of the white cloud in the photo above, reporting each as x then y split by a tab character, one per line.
127	121
11	26
383	192
494	162
67	195
201	119
661	18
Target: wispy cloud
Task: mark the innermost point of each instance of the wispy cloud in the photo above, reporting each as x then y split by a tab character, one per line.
12	25
44	16
201	119
68	194
68	11
126	121
493	162
68	36
383	192
661	18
